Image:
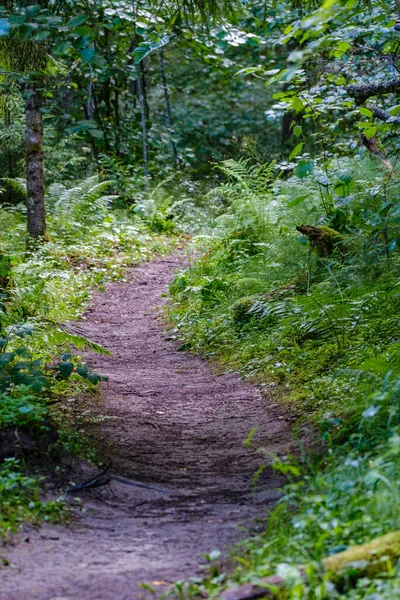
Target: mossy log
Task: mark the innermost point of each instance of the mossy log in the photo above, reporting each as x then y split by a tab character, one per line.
323	240
367	560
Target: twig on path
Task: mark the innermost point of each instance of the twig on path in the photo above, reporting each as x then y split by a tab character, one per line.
97	481
92	482
136	484
87	485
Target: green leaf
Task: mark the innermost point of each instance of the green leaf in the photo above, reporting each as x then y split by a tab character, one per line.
33	10
6	358
145	48
76	21
322	178
66	369
304	168
370	132
4	26
16	19
298	200
83	30
297	104
365	111
88	54
345	184
296	151
83	372
297	130
93	378
5	266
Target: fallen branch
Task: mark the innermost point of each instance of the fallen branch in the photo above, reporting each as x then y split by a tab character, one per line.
99	480
367	90
366	560
383	115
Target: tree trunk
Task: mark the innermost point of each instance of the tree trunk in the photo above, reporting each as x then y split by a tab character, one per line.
143	84
168	106
143	119
34	164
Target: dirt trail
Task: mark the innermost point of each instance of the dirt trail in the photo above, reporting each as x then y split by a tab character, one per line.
175	424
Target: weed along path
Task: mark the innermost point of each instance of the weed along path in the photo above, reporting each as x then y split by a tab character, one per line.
164	419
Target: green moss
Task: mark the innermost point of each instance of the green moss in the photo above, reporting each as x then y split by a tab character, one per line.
240	311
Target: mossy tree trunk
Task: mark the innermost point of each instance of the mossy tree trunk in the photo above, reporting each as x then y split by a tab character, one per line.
34	164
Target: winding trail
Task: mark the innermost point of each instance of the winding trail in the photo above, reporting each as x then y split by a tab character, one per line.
172	423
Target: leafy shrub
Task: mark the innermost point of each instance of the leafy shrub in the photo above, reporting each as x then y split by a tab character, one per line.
20	499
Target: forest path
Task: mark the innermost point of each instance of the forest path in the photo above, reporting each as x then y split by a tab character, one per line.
171	423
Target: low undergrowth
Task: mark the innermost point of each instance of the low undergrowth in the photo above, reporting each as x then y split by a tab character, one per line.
43	289
312	315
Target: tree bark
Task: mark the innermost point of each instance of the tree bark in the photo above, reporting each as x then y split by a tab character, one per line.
143	83
168	106
366	90
383	115
34	164
143	119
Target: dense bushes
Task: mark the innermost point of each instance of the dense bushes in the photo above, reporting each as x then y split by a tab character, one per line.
320	326
42	288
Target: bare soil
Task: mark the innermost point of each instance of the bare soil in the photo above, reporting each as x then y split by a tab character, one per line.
173	423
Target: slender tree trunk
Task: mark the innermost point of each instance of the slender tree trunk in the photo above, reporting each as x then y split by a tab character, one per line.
168	106
143	117
117	123
34	164
144	90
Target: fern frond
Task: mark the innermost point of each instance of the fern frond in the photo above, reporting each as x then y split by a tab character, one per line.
61	336
18	184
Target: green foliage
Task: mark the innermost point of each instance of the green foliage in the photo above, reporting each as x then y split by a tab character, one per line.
20	499
40	360
318	329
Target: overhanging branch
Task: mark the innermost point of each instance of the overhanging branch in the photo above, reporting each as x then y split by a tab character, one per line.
367	90
383	115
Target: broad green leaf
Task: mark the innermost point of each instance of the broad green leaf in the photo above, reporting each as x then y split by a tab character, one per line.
321	178
32	10
304	168
297	130
365	111
4	26
296	150
88	54
370	132
66	369
297	104
76	21
298	200
145	48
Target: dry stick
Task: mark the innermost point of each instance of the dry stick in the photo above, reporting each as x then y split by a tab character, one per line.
96	481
